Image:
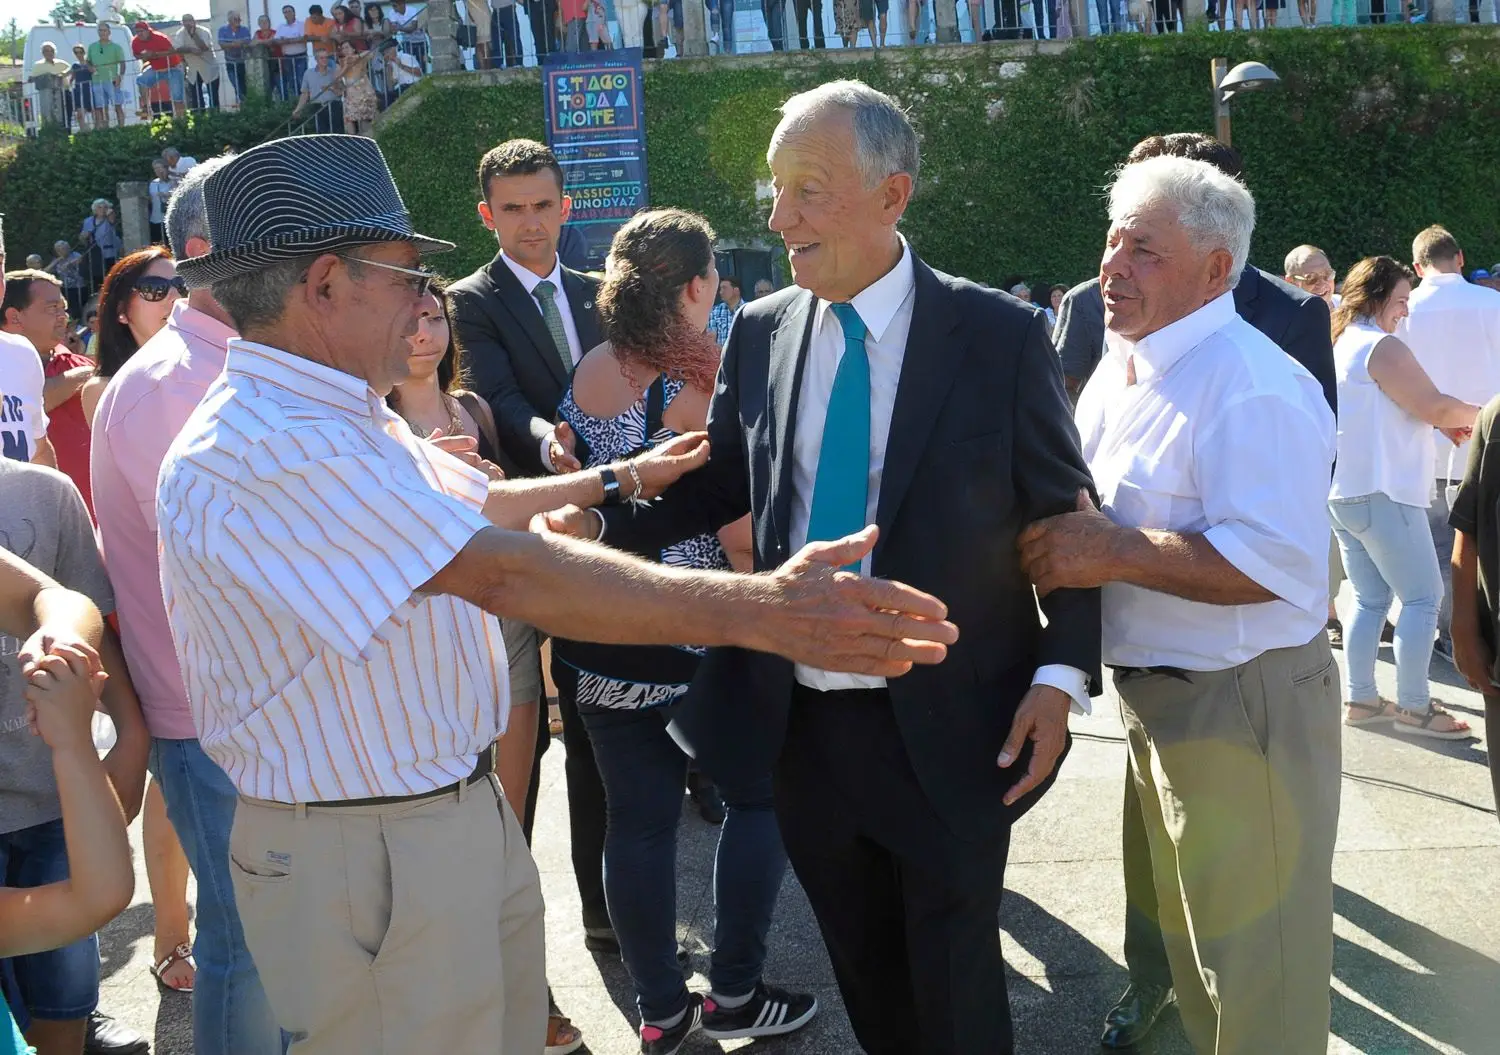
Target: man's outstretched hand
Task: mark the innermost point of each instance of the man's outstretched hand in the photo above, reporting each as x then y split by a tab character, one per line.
836	620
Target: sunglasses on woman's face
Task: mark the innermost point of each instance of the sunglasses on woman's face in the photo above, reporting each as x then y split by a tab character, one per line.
154	287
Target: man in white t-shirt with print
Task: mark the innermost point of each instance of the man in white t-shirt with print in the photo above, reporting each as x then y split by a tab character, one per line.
23	418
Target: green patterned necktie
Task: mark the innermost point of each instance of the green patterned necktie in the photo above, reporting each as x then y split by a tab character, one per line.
543	293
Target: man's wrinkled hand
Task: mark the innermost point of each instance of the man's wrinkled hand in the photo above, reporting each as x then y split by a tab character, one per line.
836	620
1070	550
1042	718
569	520
661	467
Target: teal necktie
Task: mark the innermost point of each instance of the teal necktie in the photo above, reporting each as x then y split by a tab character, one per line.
841	488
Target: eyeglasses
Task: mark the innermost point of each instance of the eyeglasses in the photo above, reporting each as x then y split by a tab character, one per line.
154	288
424	279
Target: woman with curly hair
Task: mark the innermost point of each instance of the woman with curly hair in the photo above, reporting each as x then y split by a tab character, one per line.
652	380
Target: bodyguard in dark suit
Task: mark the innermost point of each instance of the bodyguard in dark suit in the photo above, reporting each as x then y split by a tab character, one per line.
883	392
525	321
1299	324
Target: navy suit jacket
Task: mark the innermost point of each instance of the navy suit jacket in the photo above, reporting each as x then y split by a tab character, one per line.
982	443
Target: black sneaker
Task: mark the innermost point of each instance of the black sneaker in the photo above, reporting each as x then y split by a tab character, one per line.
106	1036
658	1041
769	1012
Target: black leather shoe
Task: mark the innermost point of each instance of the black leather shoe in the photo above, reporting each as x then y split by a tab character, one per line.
708	800
106	1036
1131	1019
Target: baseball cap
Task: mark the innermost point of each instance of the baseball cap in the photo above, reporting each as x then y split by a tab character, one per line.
1477	274
141	23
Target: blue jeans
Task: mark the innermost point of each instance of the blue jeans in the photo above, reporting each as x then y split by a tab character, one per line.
644	772
726	26
59	985
1109	15
775	14
1387	550
231	1015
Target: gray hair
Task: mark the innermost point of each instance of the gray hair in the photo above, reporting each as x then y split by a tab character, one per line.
186	217
170	150
258	298
1216	210
884	140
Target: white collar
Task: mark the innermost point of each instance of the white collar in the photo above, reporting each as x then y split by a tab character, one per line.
878	302
530	279
1157	352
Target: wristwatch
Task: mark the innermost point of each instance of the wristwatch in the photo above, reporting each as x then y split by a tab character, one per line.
611	484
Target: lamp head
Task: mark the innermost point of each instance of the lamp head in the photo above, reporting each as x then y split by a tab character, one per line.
1244	77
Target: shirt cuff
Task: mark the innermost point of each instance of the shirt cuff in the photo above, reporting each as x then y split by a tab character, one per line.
546	457
1067	679
1255	567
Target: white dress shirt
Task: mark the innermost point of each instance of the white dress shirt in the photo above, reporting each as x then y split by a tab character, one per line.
1454	332
529	281
299	518
1226	436
885	307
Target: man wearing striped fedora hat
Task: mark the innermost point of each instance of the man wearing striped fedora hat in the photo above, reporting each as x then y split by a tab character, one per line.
332	584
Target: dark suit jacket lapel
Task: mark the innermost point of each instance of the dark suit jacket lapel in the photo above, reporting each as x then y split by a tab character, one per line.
523	308
928	371
581	292
787	358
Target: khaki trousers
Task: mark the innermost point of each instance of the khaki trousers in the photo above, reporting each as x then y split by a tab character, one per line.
1238	774
390	930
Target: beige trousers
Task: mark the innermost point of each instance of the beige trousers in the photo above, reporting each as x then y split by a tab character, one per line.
1238	773
391	930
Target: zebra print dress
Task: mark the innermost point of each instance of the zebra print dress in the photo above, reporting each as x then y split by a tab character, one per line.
634	677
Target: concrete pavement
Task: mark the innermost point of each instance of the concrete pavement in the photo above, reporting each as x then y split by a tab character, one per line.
1417	874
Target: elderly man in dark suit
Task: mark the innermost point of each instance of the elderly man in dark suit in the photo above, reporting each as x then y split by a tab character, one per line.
1296	321
883	392
526	320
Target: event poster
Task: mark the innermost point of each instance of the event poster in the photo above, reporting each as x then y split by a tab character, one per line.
596	127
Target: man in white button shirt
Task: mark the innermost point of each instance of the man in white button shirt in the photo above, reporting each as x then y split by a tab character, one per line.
879	391
1212	451
1453	329
332	584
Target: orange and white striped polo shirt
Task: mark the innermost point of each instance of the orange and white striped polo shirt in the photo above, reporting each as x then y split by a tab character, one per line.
298	516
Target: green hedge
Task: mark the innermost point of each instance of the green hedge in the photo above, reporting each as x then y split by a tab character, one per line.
46	188
1373	134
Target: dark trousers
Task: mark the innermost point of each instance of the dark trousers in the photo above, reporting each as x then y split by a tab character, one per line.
505	37
1145	952
236	73
543	26
909	910
775	12
801	10
644	770
585	799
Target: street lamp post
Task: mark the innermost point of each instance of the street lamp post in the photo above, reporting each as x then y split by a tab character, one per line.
1228	83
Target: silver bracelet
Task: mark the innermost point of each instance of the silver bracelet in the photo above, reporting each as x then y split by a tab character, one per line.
602	524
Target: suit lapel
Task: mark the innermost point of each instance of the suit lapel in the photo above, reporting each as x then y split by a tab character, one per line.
787	358
581	292
928	370
523	308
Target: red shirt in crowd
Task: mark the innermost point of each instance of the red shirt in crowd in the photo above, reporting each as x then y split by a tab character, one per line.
155	41
67	429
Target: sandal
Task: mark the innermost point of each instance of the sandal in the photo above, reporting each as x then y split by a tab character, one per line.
1359	713
563	1038
1415	723
1335	631
182	954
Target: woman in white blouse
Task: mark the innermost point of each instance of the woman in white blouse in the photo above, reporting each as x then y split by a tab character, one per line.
1381	490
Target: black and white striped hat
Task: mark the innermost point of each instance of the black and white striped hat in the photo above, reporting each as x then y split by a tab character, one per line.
296	197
